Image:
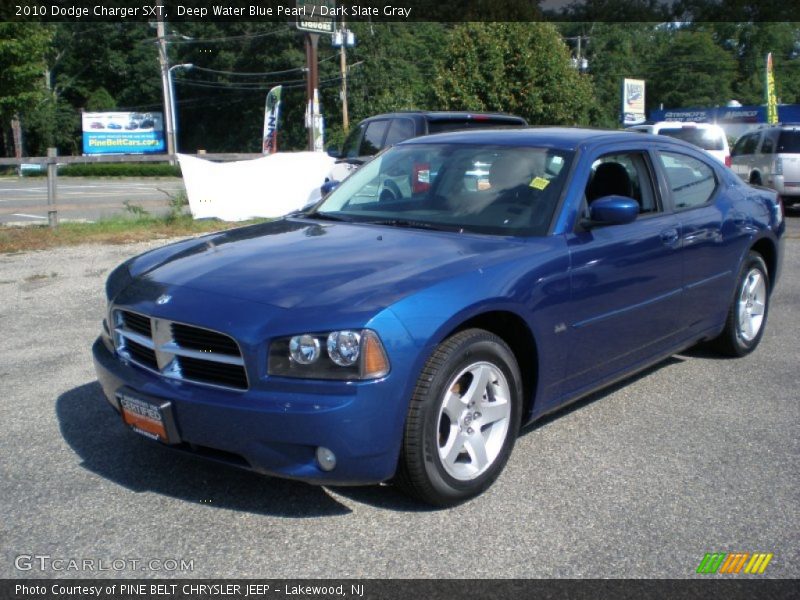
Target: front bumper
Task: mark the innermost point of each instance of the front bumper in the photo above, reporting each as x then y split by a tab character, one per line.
276	433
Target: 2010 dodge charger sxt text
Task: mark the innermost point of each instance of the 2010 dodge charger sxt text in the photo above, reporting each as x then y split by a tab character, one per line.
456	287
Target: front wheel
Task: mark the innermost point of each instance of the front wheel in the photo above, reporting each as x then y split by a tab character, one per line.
463	419
747	315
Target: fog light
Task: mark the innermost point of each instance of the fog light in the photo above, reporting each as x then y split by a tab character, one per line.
326	459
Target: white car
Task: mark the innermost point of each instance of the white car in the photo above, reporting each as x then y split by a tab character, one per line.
707	136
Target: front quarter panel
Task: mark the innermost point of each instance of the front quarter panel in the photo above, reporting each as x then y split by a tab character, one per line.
533	286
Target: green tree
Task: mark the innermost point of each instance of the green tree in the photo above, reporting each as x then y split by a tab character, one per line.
22	67
519	68
616	51
100	100
690	69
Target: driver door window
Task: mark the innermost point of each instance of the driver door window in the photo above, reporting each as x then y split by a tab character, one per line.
624	174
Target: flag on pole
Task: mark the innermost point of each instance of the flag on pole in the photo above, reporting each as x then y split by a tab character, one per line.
271	114
772	101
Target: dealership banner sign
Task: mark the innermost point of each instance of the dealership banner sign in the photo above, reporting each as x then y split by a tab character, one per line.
633	102
271	115
123	133
772	101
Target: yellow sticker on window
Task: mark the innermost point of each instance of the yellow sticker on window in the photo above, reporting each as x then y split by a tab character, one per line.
539	183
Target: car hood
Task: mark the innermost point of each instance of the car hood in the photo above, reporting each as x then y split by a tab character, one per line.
296	262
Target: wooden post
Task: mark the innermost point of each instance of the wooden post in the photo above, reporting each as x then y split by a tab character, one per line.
52	176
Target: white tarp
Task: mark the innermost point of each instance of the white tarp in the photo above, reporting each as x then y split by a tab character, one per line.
270	186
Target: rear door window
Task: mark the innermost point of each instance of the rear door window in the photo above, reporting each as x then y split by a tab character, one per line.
691	181
746	144
399	130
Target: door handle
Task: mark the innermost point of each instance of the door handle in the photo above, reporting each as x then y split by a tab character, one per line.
669	237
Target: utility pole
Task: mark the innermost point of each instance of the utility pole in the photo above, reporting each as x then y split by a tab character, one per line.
163	60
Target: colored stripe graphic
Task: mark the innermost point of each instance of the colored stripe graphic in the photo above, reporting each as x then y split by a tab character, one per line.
732	563
711	562
758	564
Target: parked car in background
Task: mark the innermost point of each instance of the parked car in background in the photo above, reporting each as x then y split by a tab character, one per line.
405	331
707	136
770	156
374	134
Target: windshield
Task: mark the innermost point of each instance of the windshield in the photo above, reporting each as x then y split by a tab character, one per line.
493	190
703	138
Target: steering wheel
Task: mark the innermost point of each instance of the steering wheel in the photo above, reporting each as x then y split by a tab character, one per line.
390	192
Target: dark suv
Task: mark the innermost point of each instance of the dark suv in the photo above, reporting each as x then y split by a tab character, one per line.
376	133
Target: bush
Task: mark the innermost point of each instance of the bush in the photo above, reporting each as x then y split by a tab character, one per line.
113	170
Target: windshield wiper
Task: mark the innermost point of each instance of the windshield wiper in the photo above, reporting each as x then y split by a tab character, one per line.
327	217
417	225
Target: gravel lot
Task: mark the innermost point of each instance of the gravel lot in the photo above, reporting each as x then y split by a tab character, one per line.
696	455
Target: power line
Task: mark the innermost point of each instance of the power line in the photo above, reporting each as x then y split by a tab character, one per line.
238	74
246	36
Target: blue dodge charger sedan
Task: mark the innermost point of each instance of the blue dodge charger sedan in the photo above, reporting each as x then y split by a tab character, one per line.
454	289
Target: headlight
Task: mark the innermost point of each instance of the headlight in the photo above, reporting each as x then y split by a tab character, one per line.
304	349
343	354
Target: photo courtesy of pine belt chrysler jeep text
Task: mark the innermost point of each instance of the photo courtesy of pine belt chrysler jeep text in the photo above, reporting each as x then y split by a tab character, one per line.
455	288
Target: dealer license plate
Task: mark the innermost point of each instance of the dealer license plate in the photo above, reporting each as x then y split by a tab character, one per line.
149	417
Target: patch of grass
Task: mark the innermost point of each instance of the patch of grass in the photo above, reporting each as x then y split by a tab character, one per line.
115	230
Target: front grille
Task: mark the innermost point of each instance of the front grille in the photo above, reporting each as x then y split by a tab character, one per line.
136	322
179	351
203	340
211	372
142	354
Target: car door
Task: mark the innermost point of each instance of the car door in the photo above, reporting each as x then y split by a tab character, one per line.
625	280
709	229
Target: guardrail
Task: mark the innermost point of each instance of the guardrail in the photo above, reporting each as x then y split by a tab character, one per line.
52	160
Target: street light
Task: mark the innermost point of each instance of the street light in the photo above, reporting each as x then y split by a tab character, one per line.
173	134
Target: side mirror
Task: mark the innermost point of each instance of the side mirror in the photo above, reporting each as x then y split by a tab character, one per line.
334	152
329	186
613	210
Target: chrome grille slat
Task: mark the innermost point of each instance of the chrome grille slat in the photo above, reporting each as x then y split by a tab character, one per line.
138	338
227	359
179	351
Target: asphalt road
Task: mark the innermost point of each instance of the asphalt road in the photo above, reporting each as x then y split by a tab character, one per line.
699	454
78	198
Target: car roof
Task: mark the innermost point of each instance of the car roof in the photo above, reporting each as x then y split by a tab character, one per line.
443	115
567	138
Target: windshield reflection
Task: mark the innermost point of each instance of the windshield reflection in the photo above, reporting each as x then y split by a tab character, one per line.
455	187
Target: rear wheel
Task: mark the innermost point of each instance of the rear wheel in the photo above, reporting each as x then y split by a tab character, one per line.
463	419
747	315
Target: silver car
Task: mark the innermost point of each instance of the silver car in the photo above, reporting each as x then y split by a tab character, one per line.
770	156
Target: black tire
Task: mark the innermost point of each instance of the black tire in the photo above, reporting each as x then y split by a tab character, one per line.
456	371
738	339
